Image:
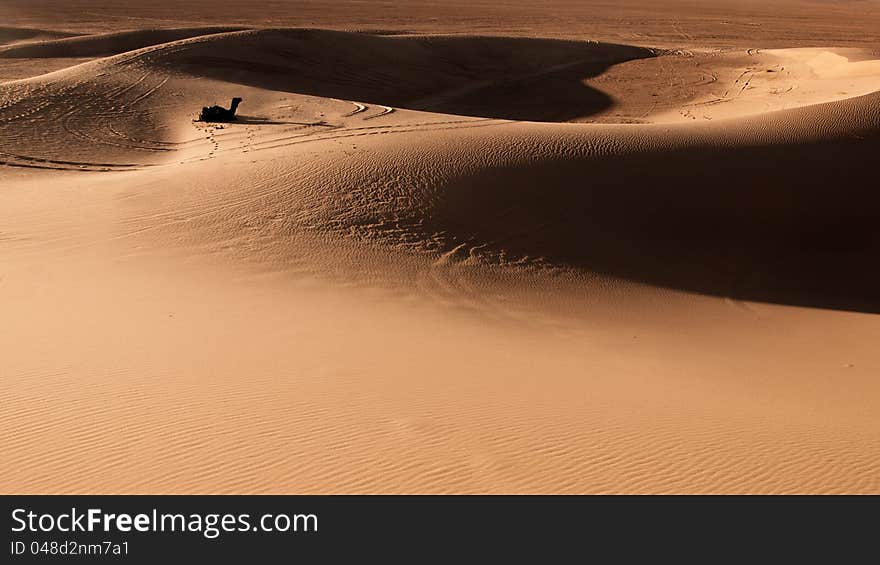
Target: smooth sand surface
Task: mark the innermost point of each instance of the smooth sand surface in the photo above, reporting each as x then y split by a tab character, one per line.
441	250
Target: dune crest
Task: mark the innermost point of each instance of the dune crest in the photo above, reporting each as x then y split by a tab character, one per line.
576	197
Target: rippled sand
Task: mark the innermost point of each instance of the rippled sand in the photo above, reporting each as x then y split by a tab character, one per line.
631	253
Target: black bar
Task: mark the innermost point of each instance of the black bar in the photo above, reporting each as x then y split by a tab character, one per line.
423	528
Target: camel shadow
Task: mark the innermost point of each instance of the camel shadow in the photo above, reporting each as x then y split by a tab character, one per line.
261	121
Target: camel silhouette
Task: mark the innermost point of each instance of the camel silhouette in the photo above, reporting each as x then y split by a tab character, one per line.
218	113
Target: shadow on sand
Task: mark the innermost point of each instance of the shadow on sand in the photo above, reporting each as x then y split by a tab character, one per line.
787	224
259	121
495	77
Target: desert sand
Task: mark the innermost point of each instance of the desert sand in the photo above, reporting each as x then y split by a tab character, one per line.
581	247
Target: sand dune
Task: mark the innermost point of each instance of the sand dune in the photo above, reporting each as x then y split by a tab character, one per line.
389	276
100	45
679	23
15	35
45	52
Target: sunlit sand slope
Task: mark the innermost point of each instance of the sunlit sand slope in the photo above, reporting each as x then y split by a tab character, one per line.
392	274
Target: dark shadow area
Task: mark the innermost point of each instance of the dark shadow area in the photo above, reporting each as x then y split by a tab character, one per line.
787	224
555	95
496	77
258	121
104	44
13	34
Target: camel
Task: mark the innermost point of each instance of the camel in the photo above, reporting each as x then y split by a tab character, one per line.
218	113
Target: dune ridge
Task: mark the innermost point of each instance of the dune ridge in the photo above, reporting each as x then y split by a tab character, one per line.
546	192
14	35
105	44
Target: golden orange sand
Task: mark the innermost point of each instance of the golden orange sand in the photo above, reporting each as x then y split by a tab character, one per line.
447	259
